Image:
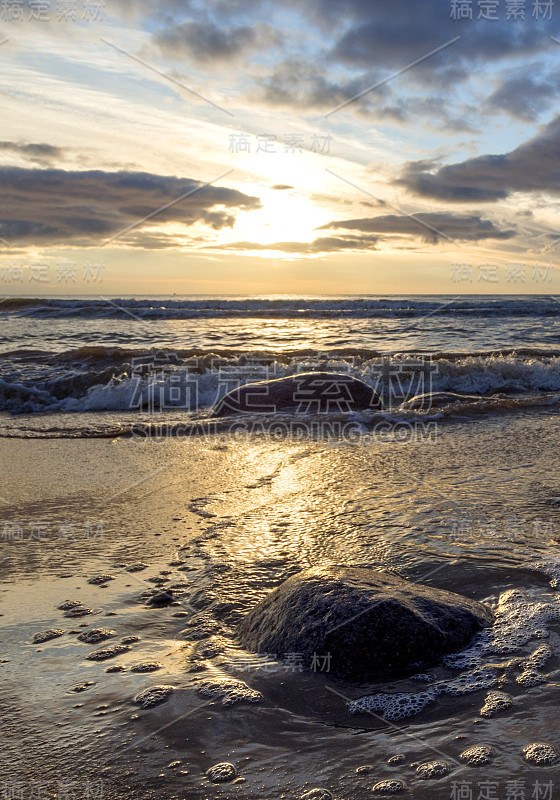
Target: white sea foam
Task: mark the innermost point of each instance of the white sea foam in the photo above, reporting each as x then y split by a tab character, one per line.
100	379
518	621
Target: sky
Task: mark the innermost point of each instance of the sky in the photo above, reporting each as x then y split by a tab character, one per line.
287	147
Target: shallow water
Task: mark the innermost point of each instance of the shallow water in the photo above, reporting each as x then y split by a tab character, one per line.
474	511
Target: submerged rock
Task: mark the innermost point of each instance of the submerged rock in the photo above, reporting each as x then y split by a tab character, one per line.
437	400
370	623
304	393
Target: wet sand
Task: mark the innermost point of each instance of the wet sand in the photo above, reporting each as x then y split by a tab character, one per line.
219	524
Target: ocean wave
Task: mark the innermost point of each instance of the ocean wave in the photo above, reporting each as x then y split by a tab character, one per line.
100	378
314	307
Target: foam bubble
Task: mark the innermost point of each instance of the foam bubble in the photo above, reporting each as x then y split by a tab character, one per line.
96	635
108	652
390	786
550	568
540	656
67	604
99	580
530	677
146	666
393	706
229	690
433	769
477	756
496	702
45	636
398	705
201	626
221	773
78	611
540	753
82	687
517	621
153	696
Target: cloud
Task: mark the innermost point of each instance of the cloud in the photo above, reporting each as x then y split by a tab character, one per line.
298	83
531	167
38	153
207	43
431	227
304	85
373	34
524	97
325	244
51	206
328	51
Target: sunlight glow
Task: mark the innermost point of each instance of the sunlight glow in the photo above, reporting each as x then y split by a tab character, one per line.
284	217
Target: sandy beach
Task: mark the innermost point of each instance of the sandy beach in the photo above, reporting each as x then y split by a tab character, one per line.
224	522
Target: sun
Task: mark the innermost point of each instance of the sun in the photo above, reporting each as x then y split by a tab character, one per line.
284	216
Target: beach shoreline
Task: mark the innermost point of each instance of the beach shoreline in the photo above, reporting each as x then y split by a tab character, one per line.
236	518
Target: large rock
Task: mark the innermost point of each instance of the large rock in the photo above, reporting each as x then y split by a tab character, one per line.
373	624
305	393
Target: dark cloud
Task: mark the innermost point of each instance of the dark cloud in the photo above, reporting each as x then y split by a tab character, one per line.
169	10
532	167
524	97
50	206
431	227
38	153
303	84
392	36
280	187
207	43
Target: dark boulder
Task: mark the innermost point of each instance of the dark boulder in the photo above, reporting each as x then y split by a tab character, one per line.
304	393
370	624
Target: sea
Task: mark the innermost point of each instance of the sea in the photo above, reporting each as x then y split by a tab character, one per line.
120	482
95	366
